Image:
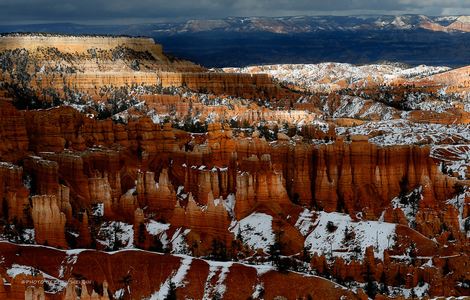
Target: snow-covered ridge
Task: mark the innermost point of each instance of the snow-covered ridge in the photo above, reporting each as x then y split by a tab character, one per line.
402	132
331	76
310	24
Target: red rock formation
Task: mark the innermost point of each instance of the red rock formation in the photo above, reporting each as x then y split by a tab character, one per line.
455	80
128	203
395	215
259	185
159	196
460	24
15	194
353	176
18	204
84	239
142	171
100	192
49	221
14	141
44	175
206	222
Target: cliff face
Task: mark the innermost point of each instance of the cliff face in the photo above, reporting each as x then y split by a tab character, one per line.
14	193
49	221
360	175
459	24
12	133
345	176
121	149
160	196
215	180
258	184
351	177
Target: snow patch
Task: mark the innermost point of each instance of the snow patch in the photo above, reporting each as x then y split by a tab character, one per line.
403	132
119	294
337	235
459	203
229	204
255	231
159	229
304	223
98	210
456	159
326	77
258	291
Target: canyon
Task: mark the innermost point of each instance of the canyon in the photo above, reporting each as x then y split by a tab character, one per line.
129	174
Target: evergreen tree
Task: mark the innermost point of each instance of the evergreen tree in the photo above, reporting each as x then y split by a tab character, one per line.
218	250
384	287
275	251
371	285
141	237
171	292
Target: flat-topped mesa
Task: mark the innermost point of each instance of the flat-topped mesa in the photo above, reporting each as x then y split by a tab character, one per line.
80	44
62	67
84	59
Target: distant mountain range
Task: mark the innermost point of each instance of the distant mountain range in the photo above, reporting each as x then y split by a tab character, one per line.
240	41
308	24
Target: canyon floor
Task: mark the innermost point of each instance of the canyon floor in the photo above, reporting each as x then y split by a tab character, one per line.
129	174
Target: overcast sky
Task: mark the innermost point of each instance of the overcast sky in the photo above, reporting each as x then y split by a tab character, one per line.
140	11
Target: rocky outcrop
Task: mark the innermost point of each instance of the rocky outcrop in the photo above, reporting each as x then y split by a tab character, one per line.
205	223
49	221
358	175
461	23
13	137
14	193
261	186
455	80
44	175
100	192
158	196
84	240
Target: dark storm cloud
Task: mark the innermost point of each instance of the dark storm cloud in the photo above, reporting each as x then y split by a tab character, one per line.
119	11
